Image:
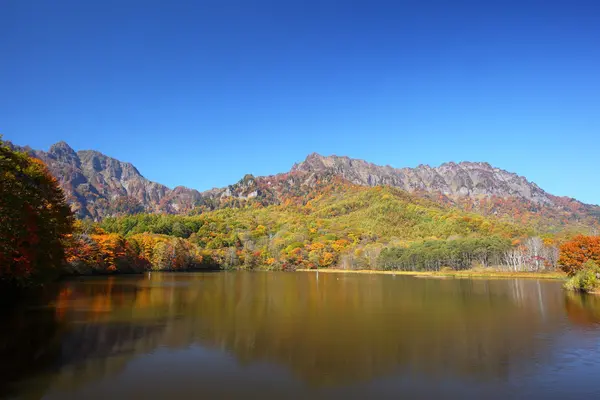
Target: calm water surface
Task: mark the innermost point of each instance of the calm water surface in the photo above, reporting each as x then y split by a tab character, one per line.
296	335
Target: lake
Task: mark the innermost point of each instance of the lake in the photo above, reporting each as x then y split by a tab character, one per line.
300	335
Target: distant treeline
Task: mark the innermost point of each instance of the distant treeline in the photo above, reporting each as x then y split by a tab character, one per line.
534	254
435	254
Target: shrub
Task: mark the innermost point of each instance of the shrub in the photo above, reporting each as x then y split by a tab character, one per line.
586	280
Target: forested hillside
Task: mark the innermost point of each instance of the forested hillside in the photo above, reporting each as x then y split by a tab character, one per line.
341	225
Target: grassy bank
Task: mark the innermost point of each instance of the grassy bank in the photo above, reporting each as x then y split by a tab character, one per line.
478	273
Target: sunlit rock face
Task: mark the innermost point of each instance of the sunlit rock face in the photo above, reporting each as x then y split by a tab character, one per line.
462	179
97	186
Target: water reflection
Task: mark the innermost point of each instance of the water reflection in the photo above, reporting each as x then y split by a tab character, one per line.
29	343
583	309
334	331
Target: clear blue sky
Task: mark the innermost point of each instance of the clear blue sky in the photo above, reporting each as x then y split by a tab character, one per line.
198	93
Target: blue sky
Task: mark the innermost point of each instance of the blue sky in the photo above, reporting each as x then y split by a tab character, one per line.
199	93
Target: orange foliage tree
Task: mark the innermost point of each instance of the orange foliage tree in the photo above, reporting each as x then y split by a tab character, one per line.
576	252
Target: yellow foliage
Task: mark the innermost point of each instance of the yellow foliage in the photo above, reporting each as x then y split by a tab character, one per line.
327	259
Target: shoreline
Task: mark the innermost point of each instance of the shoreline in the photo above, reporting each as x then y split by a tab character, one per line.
464	274
450	274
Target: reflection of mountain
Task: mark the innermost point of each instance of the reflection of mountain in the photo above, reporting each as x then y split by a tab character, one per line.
331	330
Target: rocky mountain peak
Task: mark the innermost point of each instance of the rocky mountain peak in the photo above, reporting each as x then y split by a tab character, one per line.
313	162
464	179
94	183
314	156
95	161
62	152
476	165
61	147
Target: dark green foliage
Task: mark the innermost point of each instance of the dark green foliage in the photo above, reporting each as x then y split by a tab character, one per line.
586	280
164	224
435	254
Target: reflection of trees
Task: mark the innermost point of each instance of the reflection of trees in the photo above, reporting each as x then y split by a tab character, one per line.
29	341
334	329
582	309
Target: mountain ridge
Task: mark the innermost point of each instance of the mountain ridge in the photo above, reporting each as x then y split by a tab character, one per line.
97	185
450	178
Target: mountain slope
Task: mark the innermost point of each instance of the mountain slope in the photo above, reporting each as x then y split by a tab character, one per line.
471	186
99	186
338	222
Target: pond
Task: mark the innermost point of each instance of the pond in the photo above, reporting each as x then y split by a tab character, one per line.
300	335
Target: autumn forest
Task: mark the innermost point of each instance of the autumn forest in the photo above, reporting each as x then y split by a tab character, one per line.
333	224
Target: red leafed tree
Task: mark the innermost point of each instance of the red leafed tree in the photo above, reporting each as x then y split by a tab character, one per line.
34	220
576	252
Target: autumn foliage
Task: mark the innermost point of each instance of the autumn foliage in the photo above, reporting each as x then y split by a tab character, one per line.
576	252
102	253
167	253
94	251
34	220
334	224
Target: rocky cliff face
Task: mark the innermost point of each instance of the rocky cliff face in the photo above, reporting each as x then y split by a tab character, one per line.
465	179
97	185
